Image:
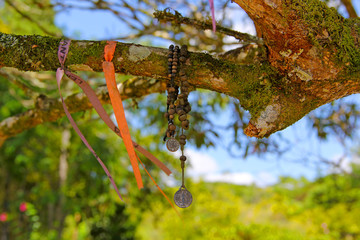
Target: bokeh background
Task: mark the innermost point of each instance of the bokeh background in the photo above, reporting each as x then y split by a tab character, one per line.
301	183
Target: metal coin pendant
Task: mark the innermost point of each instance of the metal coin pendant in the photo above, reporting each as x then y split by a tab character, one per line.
183	198
172	144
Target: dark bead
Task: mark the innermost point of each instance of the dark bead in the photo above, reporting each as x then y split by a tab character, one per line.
172	127
174	71
180	112
168	134
171	111
185	123
170	59
174	63
177	48
183	117
182	141
185	126
182	136
166	115
184	48
171	116
187	108
171	89
171	106
174	67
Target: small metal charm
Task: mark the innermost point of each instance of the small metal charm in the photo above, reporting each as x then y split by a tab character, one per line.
183	197
172	144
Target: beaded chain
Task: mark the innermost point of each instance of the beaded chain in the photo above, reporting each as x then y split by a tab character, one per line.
178	104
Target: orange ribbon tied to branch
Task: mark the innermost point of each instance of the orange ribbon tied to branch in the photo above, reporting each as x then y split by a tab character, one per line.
116	102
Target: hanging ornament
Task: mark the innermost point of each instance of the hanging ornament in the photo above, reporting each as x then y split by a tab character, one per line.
89	92
178	104
172	144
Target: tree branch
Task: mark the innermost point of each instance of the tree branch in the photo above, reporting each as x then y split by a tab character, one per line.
349	8
310	57
177	19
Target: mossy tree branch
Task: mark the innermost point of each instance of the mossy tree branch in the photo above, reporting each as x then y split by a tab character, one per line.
310	57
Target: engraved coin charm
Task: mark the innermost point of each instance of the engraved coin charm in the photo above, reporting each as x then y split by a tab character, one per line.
172	144
183	198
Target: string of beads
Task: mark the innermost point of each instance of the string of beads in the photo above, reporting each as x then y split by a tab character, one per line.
178	104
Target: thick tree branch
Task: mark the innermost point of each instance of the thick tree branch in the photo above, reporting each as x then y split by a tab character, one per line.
310	57
313	47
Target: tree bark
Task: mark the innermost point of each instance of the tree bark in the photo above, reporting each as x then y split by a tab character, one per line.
310	57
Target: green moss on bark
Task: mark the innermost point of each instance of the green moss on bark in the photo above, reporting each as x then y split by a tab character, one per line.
329	30
254	85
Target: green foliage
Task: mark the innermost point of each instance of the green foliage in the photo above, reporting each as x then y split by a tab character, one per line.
291	209
28	18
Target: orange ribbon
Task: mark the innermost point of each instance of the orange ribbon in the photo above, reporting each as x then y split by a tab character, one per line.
109	71
116	102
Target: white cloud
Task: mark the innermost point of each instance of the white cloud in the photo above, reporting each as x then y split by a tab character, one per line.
343	164
264	179
205	167
240	178
200	163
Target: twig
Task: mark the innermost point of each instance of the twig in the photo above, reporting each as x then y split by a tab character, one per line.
349	8
177	19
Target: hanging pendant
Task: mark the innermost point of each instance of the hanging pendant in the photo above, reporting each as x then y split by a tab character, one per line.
183	197
172	144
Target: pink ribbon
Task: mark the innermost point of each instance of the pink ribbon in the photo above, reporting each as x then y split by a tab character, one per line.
62	53
213	14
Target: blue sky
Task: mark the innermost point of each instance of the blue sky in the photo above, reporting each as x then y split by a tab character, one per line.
216	164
